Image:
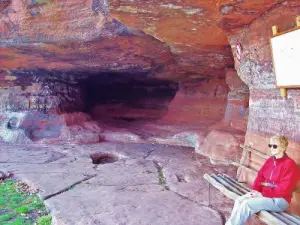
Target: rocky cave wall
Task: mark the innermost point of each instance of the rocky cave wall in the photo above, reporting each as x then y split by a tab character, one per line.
163	70
269	113
67	68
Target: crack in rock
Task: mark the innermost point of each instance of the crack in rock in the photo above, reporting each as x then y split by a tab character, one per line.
69	187
161	176
180	178
148	154
55	156
134	185
203	205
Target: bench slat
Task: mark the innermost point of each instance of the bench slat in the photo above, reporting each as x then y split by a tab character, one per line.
238	183
231	184
284	218
292	217
228	186
254	151
221	187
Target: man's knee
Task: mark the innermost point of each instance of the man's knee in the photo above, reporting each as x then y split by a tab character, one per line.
246	204
241	199
237	202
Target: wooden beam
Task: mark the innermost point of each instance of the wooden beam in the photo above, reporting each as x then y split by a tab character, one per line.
283	92
244	167
221	187
294	218
283	218
275	30
254	151
237	182
269	218
243	160
228	183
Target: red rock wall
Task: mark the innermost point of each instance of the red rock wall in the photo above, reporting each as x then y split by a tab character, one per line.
222	143
269	113
198	102
76	40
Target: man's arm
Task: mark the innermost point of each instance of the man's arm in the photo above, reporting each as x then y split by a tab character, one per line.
259	178
287	183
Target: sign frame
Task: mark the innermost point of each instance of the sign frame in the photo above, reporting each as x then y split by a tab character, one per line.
276	34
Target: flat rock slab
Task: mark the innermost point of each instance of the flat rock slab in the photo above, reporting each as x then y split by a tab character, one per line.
133	205
149	184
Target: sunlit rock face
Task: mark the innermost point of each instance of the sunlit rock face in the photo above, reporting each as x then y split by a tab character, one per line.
222	143
269	113
59	58
33	104
195	30
69	34
203	101
49	50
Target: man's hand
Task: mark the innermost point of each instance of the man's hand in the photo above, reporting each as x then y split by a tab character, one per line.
255	194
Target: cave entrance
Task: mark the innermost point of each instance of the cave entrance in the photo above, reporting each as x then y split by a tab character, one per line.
68	105
127	97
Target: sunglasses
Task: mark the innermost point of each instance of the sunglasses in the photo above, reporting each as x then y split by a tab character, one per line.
274	146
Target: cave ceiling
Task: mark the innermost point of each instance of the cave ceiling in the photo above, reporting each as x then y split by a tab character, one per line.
174	39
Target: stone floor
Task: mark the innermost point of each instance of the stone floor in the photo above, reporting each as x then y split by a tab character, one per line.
149	184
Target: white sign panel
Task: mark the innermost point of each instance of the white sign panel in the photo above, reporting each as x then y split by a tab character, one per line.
286	58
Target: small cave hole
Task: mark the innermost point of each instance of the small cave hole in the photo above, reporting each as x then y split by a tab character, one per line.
103	158
12	124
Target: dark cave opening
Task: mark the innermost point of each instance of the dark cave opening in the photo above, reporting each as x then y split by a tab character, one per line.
126	96
50	101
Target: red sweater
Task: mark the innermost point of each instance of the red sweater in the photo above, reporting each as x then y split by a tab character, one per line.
283	173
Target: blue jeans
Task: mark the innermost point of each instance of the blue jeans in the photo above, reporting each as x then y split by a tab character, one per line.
245	207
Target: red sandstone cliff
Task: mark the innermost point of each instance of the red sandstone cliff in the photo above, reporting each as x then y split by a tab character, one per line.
167	66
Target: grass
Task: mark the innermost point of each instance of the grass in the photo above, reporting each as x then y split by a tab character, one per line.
44	220
20	208
41	1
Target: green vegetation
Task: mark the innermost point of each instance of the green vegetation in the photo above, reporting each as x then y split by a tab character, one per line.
42	1
44	220
39	2
20	208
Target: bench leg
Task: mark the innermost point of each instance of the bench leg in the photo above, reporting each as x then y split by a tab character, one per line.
209	186
244	157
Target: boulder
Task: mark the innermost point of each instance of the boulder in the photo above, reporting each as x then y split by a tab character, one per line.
221	146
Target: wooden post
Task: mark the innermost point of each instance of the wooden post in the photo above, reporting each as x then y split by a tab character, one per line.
243	160
244	167
275	30
221	187
208	194
283	92
298	21
254	151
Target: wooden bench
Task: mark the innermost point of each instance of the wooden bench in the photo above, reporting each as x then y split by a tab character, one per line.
232	189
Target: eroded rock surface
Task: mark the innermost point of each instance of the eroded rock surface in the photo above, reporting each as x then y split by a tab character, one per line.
147	184
63	57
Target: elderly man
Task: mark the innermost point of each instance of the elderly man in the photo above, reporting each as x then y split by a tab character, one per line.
273	186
